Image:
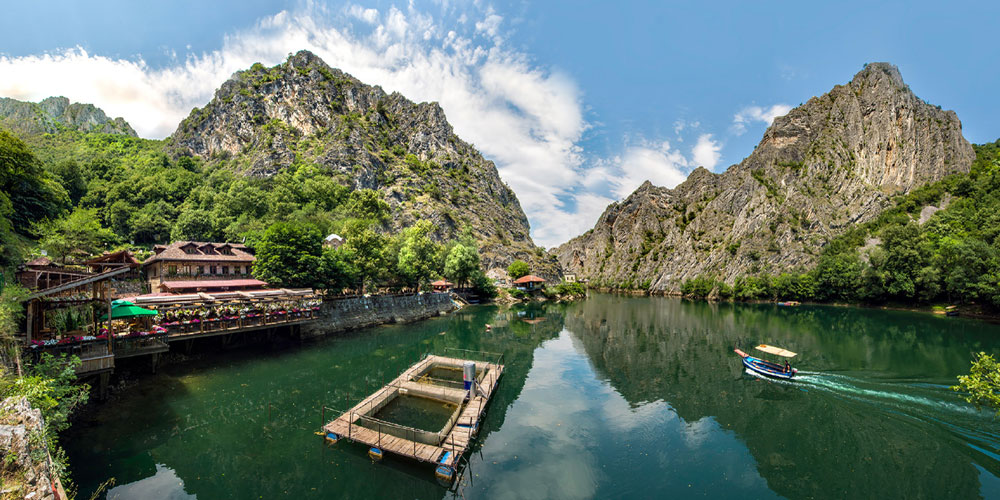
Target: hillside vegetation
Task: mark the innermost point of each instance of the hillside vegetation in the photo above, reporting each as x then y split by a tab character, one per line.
299	142
827	166
938	243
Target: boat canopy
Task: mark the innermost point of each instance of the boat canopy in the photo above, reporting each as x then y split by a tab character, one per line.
777	351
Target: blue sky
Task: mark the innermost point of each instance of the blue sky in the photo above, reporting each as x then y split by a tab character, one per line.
576	102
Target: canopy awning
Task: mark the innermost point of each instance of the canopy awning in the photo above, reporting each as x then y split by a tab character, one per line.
777	351
121	309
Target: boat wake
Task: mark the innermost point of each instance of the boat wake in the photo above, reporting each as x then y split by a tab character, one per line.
900	396
931	403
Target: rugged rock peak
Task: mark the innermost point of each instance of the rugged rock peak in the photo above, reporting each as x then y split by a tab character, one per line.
264	120
880	72
54	114
832	162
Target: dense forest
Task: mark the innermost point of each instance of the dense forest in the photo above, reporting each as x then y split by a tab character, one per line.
909	254
84	193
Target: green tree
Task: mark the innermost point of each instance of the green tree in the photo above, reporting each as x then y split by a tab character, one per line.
79	232
982	384
461	264
369	249
152	223
418	255
338	269
290	255
699	287
368	204
71	178
482	285
517	269
902	260
194	225
28	194
838	277
33	193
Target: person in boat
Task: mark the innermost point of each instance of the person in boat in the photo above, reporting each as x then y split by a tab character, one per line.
788	367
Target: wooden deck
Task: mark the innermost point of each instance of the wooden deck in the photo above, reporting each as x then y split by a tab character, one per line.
385	435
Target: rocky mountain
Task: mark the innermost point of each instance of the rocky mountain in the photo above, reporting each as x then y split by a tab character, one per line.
55	114
303	112
833	162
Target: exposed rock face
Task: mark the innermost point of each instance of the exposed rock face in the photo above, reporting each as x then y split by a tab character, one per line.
264	120
55	114
833	162
25	469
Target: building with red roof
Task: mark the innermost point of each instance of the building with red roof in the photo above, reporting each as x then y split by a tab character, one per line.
529	283
442	285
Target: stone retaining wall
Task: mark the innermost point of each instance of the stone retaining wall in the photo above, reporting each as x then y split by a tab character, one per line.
348	314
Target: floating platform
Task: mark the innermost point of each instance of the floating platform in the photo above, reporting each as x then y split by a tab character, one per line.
432	381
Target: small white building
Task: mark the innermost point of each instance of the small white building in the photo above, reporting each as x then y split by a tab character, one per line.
333	241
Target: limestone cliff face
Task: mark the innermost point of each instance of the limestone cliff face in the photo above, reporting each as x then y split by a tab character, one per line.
56	114
834	161
264	120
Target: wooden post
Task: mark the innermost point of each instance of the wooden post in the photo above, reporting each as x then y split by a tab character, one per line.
103	389
93	315
30	327
111	326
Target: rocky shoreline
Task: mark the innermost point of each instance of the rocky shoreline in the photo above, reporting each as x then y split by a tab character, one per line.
27	470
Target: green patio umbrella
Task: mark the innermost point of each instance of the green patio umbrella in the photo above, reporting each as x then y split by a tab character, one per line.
121	309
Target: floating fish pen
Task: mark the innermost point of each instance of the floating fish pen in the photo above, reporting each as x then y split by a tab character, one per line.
430	412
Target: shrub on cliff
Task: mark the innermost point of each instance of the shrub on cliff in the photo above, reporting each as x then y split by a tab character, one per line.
517	269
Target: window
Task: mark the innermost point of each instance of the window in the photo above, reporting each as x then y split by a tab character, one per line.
211	269
201	269
225	269
172	270
236	269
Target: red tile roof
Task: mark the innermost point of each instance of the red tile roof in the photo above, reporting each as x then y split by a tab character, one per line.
442	283
186	285
205	252
531	278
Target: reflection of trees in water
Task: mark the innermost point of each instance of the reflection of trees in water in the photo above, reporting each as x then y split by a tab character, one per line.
807	444
208	420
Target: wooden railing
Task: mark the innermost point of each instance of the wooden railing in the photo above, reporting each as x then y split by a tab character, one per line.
213	325
94	355
146	344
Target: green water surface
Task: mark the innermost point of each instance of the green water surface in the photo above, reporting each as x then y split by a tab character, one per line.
419	413
611	397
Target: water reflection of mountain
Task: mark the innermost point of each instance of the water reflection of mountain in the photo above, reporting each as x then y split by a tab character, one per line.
807	443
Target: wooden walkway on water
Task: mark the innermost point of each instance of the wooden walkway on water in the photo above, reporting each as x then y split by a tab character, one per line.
456	439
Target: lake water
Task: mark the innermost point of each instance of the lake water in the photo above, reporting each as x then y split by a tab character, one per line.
611	397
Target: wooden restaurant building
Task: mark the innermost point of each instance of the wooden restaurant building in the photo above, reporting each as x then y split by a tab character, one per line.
192	266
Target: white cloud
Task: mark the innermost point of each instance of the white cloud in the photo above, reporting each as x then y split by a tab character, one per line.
752	114
656	163
706	152
528	119
367	15
525	118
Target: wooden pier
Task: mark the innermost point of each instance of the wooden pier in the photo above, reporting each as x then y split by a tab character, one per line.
443	448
